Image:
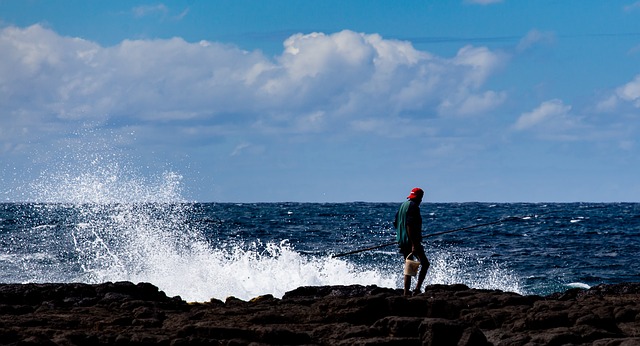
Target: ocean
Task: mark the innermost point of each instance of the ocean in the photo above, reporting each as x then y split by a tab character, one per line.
200	251
95	219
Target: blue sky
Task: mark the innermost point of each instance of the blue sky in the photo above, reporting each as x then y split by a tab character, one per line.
331	101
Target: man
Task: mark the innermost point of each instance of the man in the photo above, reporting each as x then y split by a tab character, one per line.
408	223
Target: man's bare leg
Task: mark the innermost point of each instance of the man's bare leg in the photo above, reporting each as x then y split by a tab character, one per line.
407	285
421	276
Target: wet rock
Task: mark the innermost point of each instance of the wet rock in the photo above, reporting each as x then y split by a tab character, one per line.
124	313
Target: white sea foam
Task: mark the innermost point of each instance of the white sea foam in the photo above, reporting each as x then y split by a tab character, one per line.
456	267
200	272
247	273
578	285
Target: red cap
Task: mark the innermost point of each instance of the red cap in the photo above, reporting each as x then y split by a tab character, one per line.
416	193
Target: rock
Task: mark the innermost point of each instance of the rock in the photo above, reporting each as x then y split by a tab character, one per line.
443	332
124	313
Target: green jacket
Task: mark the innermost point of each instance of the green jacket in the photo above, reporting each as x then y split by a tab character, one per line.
408	214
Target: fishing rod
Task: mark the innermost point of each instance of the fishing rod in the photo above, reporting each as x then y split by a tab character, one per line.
510	218
363	250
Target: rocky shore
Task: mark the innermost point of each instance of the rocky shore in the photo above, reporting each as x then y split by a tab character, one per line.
124	313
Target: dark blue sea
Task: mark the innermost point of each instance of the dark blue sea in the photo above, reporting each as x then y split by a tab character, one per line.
201	251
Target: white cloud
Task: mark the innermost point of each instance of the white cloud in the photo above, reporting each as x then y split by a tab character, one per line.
239	148
630	92
321	82
477	103
549	112
146	10
607	105
534	37
182	14
474	65
479	63
627	94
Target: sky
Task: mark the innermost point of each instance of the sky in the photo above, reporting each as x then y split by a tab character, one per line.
328	101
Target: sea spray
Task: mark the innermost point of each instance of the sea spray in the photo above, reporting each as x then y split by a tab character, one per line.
249	270
118	226
454	266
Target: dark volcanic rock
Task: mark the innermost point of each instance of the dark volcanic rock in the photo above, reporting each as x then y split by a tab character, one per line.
124	313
